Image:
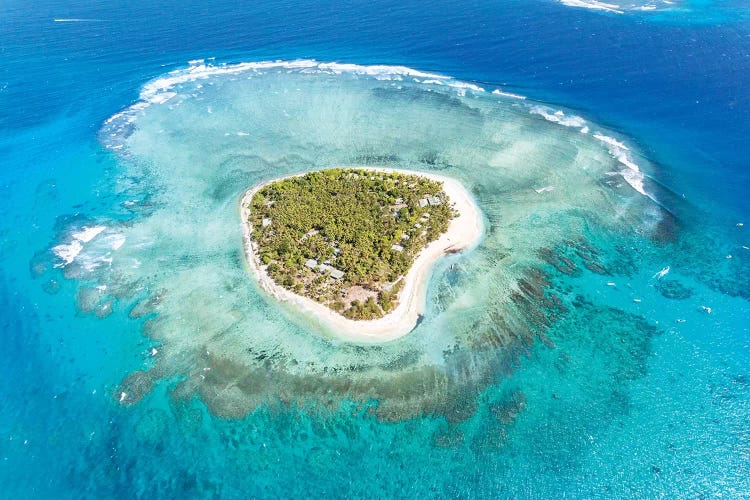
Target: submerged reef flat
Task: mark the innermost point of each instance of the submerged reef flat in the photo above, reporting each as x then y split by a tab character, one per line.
560	197
353	248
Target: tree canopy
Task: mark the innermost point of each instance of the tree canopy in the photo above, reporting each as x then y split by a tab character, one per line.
370	225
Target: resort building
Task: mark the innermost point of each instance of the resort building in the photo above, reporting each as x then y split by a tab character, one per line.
336	274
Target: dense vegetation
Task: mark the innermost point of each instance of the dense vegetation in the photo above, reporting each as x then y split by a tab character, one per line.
347	220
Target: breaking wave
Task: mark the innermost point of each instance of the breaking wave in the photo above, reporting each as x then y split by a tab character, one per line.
622	8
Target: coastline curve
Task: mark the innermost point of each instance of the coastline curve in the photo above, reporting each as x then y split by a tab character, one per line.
464	233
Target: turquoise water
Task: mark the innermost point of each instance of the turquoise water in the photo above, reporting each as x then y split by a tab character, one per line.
595	343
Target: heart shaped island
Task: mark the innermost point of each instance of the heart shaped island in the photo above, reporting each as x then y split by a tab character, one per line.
352	248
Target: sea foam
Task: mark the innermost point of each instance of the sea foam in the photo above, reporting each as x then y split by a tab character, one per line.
92	256
67	252
593	4
166	88
509	94
558	116
632	173
623	7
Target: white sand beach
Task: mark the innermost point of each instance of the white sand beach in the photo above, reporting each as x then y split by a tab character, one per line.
464	232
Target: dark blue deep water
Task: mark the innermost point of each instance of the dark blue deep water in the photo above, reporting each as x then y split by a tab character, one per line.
676	84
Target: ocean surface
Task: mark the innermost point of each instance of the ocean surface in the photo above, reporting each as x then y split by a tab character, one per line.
596	344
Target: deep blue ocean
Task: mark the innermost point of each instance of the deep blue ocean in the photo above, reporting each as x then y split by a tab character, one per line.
667	416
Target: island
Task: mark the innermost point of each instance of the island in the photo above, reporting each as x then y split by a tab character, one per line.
353	247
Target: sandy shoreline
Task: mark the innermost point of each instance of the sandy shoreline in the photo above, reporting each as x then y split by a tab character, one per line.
464	231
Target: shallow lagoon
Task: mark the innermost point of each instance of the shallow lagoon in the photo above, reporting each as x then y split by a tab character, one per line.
561	196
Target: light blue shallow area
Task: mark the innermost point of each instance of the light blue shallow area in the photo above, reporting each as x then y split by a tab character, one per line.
627	399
